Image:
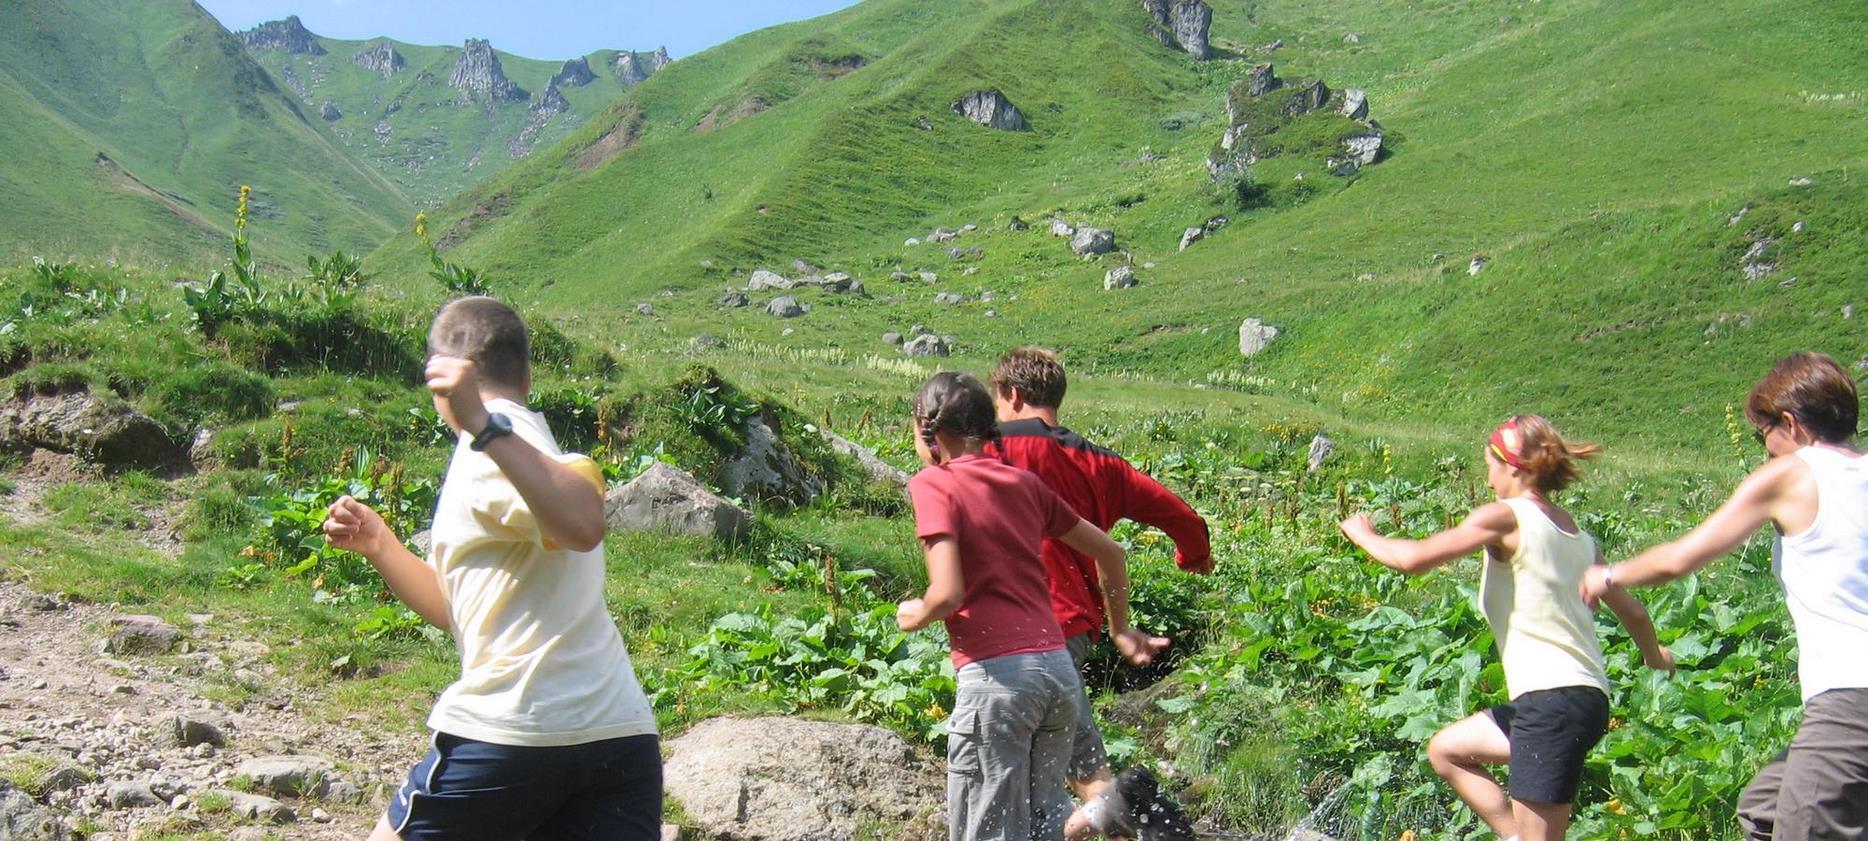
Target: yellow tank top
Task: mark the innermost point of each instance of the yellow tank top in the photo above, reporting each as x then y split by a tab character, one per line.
1546	635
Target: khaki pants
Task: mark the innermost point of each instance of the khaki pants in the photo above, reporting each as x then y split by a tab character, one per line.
1008	743
1816	789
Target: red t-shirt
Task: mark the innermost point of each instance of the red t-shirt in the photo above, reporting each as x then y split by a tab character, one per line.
1103	488
999	515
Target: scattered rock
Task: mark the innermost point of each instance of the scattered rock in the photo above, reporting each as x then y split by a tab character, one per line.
942	235
131	795
329	111
99	427
763	280
786	306
782	779
1272	47
667	499
767	470
23	819
1363	149
873	466
1191	236
645	309
1120	277
257	807
1017	224
1756	263
1797	228
1060	228
928	344
1352	38
929	277
380	57
1320	449
1801	182
289	775
190	731
142	635
1254	335
892	338
1190	21
1089	241
803	266
1260	80
1355	104
949	298
923	123
1216	223
991	109
910	242
1477	265
705	341
968	228
734	300
1310	98
1739	216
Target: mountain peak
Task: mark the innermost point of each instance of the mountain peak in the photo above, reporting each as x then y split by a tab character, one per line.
289	35
478	75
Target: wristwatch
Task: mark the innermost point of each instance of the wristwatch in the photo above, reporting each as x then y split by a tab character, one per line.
497	426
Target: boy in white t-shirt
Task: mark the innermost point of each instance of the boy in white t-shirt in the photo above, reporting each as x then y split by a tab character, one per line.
546	734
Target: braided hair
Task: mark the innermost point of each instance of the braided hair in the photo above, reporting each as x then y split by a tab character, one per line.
956	404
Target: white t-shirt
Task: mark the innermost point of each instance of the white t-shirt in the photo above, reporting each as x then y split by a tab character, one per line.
542	663
1546	634
1824	569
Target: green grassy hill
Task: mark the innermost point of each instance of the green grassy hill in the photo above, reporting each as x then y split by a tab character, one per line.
130	127
1594	152
401	116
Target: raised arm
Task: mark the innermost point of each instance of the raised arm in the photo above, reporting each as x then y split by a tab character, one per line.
1113	572
566	504
1487	526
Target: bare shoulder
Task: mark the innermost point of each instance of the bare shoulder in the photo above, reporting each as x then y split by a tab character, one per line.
1495	515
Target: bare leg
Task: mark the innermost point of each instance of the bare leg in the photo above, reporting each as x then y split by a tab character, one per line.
383	831
1541	821
1090	786
1078	827
1460	752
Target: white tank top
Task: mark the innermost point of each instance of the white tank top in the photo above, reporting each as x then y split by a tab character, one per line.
1824	570
1546	635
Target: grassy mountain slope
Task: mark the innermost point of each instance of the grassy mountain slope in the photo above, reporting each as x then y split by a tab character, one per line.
184	118
434	145
1593	151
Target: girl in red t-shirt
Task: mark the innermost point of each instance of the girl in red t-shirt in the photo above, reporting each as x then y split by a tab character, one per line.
981	523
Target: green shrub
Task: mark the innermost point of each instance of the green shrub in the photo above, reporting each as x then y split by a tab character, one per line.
210	391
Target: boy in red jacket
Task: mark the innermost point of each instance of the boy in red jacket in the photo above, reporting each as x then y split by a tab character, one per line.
1028	385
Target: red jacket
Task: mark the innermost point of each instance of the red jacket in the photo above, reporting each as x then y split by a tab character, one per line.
1103	488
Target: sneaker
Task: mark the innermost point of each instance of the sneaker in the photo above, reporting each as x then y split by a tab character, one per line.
1137	809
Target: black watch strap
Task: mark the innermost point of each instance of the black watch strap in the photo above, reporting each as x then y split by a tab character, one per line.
497	426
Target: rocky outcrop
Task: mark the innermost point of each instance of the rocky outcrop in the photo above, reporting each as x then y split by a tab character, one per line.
669	500
478	76
1320	448
633	68
873	466
786	779
1254	336
549	103
287	35
101	428
767	470
1181	24
574	74
1355	104
928	344
991	109
22	818
1088	241
1191	236
786	306
1261	105
329	111
379	57
1120	277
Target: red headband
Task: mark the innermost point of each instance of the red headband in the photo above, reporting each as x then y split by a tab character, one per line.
1505	443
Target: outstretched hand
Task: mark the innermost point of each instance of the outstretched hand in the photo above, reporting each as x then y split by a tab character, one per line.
1358	527
1661	660
352	526
1137	647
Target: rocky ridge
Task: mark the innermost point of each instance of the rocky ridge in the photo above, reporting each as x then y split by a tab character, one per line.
479	77
289	36
380	57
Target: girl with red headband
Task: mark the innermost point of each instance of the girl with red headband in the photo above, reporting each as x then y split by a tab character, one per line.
1535	557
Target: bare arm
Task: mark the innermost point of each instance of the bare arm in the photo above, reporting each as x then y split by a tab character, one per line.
1113	572
1487	526
564	502
1634	617
946	586
353	526
1753	504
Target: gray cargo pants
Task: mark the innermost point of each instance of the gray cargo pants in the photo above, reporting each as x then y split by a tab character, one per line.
1008	743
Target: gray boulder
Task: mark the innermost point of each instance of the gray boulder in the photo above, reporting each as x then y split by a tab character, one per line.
991	109
99	427
783	779
256	807
131	794
786	306
1017	224
1060	228
892	338
142	635
575	73
952	299
942	235
1477	265
1254	335
1363	148
23	819
1191	236
478	76
929	277
928	344
1320	449
1260	80
667	499
1089	241
289	775
380	57
733	300
1190	19
1355	103
190	731
645	309
873	466
768	470
330	112
763	280
1120	277
840	282
1311	98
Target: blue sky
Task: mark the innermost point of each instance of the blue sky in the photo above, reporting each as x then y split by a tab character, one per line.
547	29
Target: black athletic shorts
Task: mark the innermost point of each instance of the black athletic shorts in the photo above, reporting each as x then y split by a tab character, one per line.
1551	732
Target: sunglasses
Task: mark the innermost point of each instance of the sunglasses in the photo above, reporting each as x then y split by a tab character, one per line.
1761	433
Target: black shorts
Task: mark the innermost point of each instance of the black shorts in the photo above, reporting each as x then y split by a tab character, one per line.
467	790
1551	732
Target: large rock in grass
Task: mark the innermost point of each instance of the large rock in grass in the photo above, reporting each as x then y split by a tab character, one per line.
289	775
1089	241
99	428
142	635
786	306
1189	20
786	779
23	819
873	466
1254	336
667	499
767	470
991	109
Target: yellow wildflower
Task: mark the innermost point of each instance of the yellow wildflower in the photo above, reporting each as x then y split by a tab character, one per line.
1407	835
1616	806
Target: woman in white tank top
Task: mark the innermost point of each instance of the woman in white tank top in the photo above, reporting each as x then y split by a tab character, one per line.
1814	493
1535	558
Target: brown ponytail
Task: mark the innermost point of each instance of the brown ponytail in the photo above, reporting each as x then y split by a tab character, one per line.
1550	458
956	404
